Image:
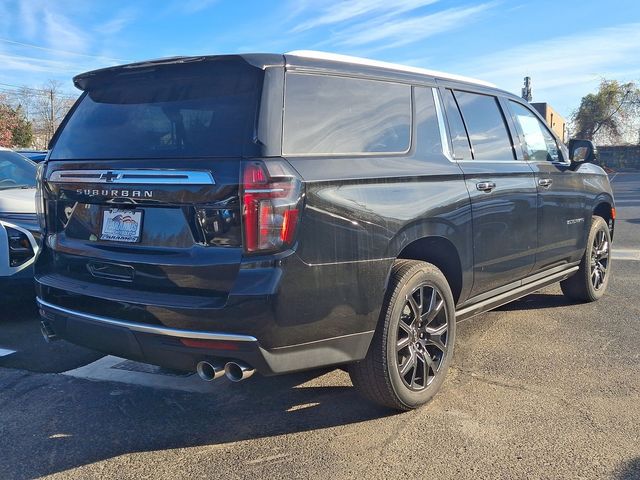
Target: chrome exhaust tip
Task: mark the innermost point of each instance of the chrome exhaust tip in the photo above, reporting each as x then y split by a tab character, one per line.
236	372
209	371
47	332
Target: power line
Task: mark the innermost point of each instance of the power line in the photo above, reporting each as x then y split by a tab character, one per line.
66	52
16	89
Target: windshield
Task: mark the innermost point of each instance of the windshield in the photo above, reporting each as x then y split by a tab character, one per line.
206	109
16	171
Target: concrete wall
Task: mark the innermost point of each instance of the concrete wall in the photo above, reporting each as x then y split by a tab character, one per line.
620	157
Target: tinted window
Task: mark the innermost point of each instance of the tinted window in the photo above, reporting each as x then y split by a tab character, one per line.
15	170
183	111
487	130
429	140
335	115
461	148
539	144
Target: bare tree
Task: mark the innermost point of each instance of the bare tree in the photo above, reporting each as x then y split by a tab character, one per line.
50	106
25	98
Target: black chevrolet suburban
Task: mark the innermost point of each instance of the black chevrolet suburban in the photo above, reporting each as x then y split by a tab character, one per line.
275	213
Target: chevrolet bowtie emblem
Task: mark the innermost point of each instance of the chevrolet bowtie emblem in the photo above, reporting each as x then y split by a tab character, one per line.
110	176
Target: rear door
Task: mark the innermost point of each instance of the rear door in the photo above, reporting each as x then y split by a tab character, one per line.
502	189
562	213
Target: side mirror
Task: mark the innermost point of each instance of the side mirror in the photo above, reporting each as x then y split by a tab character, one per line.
581	151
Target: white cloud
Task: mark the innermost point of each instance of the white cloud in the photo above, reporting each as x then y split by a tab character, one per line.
192	6
563	68
29	13
62	34
395	32
53	40
31	64
117	23
341	11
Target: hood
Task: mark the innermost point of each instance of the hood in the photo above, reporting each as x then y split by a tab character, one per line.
18	200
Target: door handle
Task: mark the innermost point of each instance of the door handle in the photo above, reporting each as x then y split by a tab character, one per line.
485	186
545	182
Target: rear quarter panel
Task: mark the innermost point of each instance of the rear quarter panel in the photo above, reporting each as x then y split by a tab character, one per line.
360	212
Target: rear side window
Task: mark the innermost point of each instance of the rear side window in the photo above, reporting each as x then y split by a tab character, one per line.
485	123
196	110
538	142
429	138
461	147
326	115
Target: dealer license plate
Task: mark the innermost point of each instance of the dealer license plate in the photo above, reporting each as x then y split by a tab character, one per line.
121	225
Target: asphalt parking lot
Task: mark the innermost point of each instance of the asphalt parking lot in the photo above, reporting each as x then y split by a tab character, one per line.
540	388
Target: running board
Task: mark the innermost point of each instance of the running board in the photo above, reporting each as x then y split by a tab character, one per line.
511	295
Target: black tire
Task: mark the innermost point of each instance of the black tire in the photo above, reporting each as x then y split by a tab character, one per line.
428	335
590	282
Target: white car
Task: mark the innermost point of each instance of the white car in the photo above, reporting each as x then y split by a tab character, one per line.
19	231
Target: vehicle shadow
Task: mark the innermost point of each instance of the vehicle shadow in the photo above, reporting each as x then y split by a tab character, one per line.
629	471
83	422
20	331
18	305
536	301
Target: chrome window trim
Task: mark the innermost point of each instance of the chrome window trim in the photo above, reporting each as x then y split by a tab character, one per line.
133	177
444	138
145	328
5	269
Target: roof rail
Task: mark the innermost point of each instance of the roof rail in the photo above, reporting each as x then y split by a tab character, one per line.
376	63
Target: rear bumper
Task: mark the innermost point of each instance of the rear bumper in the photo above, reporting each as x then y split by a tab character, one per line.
164	346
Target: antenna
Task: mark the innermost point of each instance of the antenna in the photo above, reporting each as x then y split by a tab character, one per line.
526	90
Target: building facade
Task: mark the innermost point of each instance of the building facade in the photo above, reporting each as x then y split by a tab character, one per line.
556	121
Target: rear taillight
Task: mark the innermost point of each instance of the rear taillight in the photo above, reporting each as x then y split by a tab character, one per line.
271	202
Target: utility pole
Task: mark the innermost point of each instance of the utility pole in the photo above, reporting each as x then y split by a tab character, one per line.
526	90
51	117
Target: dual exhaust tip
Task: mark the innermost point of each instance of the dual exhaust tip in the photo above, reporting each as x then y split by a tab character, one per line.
234	371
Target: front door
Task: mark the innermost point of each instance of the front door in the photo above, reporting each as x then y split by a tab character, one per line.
562	214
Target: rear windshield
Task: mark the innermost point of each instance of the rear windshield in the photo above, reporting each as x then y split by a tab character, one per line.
194	110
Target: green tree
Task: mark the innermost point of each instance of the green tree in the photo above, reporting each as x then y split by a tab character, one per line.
8	122
22	132
607	115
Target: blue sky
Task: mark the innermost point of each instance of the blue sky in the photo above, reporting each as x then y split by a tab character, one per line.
565	46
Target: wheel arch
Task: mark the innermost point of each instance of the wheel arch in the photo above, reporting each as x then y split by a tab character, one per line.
604	208
445	243
442	253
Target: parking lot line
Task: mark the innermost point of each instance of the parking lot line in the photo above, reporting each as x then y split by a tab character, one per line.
625	254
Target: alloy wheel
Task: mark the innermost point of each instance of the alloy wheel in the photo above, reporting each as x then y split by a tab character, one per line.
421	342
599	259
